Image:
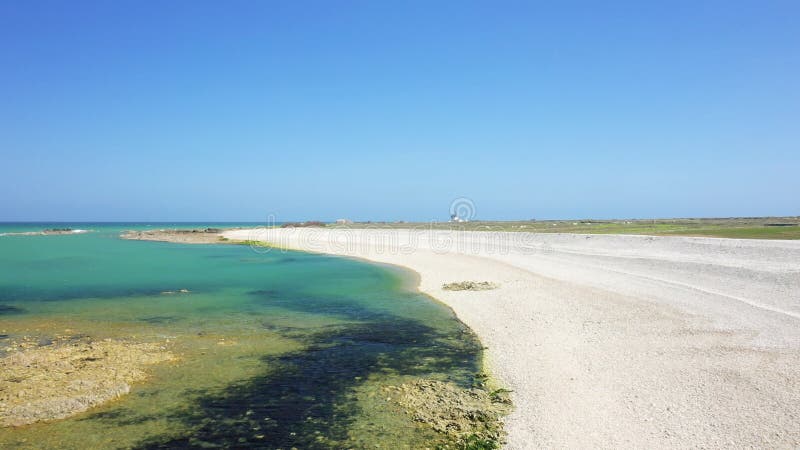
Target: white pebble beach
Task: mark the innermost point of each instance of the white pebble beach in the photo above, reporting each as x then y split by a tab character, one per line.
612	340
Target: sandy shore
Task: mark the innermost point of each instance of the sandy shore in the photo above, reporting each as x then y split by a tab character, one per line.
612	340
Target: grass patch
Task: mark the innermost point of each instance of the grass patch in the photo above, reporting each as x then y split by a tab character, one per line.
736	227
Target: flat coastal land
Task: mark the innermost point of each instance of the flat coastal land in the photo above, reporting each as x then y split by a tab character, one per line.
728	227
612	340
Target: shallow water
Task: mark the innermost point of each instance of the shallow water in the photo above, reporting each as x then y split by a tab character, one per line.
276	350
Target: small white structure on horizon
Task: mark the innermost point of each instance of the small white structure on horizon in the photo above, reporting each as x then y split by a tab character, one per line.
455	218
343	221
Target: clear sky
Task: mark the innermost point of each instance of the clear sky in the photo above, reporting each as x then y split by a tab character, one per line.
388	110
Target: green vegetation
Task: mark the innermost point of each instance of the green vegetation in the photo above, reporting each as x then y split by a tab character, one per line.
476	442
252	243
738	228
501	395
308	224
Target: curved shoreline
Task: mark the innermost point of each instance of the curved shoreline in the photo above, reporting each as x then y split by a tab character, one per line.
612	340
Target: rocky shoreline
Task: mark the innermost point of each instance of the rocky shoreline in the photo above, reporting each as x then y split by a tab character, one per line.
69	375
192	236
48	232
471	418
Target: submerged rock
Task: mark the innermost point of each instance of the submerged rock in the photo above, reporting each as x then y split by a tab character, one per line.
67	377
466	416
8	309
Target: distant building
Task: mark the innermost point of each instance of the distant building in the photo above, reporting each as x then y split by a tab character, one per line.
343	221
455	218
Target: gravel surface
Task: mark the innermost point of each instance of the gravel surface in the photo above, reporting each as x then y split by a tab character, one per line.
612	340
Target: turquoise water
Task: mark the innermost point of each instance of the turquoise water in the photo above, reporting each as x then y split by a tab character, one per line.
277	349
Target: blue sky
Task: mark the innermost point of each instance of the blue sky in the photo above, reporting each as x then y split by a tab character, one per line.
389	110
